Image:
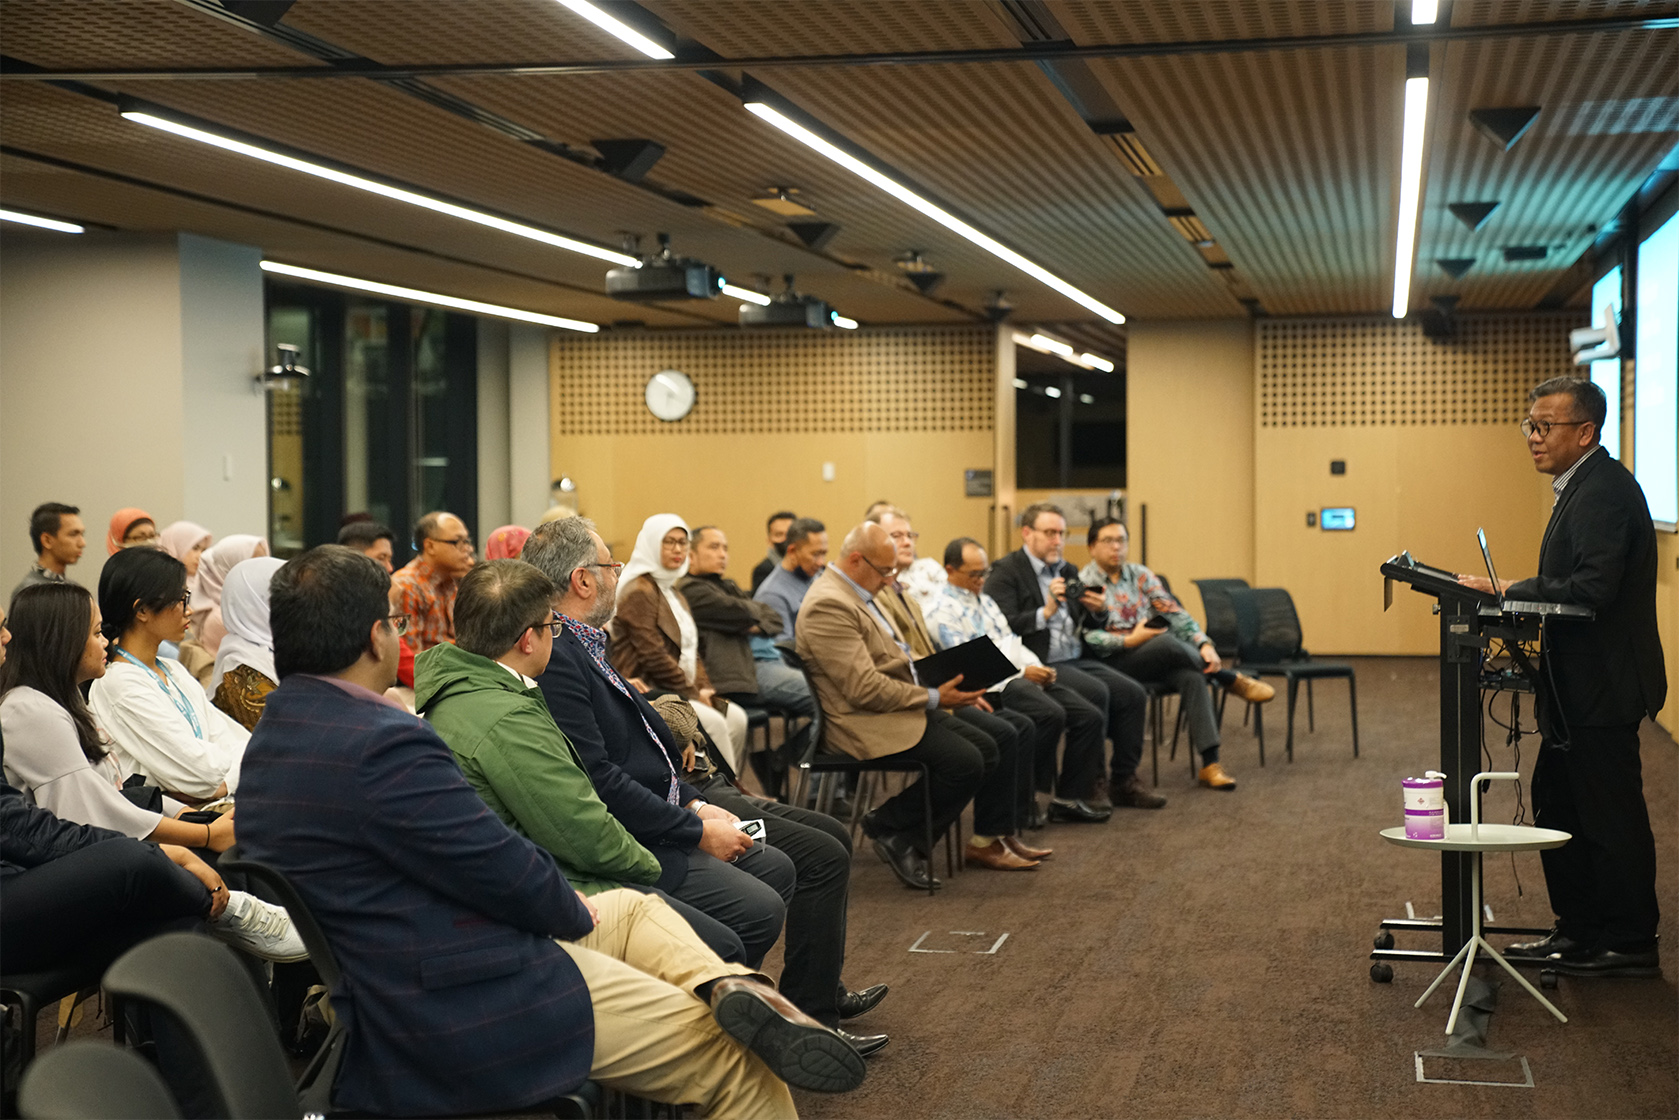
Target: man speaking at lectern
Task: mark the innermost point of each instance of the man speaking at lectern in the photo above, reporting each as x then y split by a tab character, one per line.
1599	680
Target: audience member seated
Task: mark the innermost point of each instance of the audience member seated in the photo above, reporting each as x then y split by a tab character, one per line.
57	536
244	673
424	589
633	760
1127	598
960	612
874	706
655	640
160	721
784	588
187	542
457	995
130	528
208	629
1006	739
370	538
1030	586
736	643
775	531
505	543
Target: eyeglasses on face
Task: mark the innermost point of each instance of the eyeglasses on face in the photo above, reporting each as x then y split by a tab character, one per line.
1111	538
1056	533
1544	427
888	572
974	573
463	543
904	535
612	566
399	623
675	542
553	622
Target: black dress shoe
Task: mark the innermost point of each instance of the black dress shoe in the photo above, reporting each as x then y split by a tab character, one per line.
906	862
867	1045
852	1004
1035	817
797	1048
1610	962
1548	950
1077	812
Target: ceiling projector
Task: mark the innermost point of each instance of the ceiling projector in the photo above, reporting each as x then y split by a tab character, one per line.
664	277
789	309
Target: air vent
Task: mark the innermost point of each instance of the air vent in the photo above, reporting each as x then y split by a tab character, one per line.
1191	229
1504	126
1472	214
1525	252
1455	266
1133	154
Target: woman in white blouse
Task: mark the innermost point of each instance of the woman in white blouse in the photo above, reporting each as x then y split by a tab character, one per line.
54	752
160	722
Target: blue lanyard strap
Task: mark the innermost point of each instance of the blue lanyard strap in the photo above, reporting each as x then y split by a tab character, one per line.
170	690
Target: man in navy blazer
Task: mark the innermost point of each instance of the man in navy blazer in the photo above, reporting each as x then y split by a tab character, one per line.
1599	680
456	996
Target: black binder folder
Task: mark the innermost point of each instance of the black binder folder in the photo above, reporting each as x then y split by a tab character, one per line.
980	662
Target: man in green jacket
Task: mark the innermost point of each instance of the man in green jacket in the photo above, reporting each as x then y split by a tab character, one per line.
489	710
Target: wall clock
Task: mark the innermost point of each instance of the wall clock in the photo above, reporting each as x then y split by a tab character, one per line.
670	395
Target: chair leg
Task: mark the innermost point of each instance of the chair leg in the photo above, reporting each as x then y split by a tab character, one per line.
927	827
1259	730
68	1009
1353	711
1309	705
1289	735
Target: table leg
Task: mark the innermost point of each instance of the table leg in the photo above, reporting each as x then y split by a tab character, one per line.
1463	983
1521	979
1452	964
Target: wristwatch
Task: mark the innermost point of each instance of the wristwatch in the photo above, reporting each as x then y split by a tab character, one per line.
698	804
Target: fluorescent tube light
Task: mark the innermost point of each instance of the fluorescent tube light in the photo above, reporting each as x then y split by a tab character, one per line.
1096	362
374	186
915	201
1425	11
1086	398
417	296
1411	188
37	220
745	293
616	28
1019	383
1050	345
1052	391
842	322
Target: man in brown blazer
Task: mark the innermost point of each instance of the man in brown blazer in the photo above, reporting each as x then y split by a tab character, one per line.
874	706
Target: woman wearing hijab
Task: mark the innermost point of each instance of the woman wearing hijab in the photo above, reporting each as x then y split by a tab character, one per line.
212	573
244	673
186	541
655	638
505	543
130	528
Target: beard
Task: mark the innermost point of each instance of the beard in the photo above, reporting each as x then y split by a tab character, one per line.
601	613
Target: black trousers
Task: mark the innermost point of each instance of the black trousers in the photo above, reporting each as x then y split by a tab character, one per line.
956	768
1000	804
1052	709
820	848
95	904
1122	699
1172	661
1603	882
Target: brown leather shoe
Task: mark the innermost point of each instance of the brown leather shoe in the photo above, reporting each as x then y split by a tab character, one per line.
797	1048
1026	851
1252	689
1133	794
998	857
1213	776
1099	798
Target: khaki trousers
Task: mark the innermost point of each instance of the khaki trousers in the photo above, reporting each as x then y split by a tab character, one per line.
653	1036
728	730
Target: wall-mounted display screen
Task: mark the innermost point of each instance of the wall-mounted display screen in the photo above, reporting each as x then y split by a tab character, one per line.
1607	373
1655	373
1332	518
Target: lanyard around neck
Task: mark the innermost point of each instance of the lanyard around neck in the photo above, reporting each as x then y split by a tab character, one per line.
170	689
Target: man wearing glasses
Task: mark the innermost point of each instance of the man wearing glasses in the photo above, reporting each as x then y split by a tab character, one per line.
1599	680
424	588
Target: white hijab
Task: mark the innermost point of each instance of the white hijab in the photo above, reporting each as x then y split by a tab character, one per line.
645	561
249	640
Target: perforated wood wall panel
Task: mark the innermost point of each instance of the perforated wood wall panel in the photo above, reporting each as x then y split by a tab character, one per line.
922	379
1318	373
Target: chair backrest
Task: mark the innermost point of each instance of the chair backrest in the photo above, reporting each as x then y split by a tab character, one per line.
91	1080
272	884
814	729
1219	618
1268	629
201	983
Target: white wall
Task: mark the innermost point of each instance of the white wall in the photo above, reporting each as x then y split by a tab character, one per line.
494	489
125	366
528	423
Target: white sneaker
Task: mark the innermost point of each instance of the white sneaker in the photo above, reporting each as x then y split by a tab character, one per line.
259	928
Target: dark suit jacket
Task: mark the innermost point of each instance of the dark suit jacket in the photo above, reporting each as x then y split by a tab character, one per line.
1014	586
606	728
455	998
1600	551
724	613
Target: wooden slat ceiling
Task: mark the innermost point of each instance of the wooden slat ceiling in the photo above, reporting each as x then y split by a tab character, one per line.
1289	157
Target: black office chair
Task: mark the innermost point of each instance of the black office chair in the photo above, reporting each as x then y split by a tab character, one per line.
95	1081
29	992
1270	646
817	761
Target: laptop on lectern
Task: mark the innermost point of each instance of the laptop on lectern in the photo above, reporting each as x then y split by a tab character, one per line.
1487	558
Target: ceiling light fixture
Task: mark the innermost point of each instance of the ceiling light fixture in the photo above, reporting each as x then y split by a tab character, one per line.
1048	345
245	147
1425	11
376	288
1019	383
1045	344
858	167
1052	391
1411	188
36	220
747	294
1086	398
1096	362
842	322
617	28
